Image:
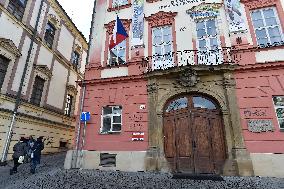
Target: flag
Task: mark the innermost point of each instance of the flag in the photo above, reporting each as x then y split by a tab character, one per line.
119	34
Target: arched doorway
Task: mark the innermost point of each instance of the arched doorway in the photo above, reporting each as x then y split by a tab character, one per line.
193	135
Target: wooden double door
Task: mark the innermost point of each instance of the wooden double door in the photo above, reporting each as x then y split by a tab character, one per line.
193	136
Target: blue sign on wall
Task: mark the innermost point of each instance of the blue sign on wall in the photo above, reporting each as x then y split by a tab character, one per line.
85	116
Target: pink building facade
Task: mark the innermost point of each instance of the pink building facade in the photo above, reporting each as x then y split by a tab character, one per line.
196	87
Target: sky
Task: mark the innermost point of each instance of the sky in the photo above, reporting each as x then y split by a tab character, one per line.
80	12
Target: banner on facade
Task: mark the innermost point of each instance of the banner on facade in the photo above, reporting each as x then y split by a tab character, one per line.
235	16
138	23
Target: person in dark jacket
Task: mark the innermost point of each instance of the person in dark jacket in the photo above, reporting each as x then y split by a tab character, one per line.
36	153
31	141
20	149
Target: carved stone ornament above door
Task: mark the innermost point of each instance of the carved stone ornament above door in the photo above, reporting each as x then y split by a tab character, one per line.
188	78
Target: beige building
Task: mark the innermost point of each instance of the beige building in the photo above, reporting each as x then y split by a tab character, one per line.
57	60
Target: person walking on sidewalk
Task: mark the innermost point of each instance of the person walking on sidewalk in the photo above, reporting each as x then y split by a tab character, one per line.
20	150
31	143
36	153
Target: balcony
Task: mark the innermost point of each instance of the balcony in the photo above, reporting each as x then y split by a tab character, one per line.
225	55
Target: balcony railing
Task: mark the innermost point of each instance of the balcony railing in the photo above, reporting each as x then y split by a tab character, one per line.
223	55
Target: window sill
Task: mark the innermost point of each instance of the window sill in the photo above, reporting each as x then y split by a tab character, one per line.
281	129
118	66
110	9
110	133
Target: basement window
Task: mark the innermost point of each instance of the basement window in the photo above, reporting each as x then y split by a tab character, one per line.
107	160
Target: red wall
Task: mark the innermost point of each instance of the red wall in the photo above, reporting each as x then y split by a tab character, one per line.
255	88
130	95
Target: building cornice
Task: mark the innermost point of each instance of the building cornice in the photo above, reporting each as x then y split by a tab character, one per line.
68	22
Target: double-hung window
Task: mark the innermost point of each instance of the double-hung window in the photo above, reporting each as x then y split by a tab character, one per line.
4	63
68	105
17	8
117	55
116	3
279	109
111	119
267	26
75	59
162	47
37	90
209	51
49	34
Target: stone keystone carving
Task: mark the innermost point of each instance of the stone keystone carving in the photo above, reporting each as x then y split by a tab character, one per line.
188	78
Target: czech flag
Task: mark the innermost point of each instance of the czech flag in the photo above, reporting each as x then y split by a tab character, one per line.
119	34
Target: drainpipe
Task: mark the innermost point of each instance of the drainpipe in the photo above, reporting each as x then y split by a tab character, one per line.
77	148
18	97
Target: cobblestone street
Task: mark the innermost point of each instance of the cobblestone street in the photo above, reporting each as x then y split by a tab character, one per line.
50	174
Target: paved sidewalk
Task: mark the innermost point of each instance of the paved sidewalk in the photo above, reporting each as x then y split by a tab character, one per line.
50	174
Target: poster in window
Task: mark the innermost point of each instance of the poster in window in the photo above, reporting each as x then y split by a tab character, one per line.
235	16
137	23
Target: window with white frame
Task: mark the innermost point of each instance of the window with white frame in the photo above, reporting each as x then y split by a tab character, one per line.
75	59
111	119
117	55
267	26
68	105
208	43
116	3
162	47
279	109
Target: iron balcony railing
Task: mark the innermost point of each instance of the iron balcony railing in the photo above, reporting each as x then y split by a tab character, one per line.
223	55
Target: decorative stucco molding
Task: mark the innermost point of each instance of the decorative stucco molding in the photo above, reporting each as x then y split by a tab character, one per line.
54	21
71	89
126	23
152	88
188	78
10	46
78	48
44	70
255	4
161	18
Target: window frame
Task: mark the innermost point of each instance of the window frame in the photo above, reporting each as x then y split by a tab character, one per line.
6	67
49	36
76	61
277	107
265	27
111	115
14	6
35	99
68	105
164	55
118	48
211	53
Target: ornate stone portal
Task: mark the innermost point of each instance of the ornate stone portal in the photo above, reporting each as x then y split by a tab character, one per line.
196	79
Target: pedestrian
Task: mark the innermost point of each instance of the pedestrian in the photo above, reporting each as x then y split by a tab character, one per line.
36	153
20	150
31	143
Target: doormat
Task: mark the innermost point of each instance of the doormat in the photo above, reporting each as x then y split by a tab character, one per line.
197	176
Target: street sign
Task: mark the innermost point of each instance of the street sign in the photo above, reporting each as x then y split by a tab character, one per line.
85	116
138	136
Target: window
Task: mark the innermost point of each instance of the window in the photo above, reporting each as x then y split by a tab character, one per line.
162	47
75	59
4	62
17	8
279	109
117	55
68	105
116	3
37	90
267	26
111	119
208	42
49	34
